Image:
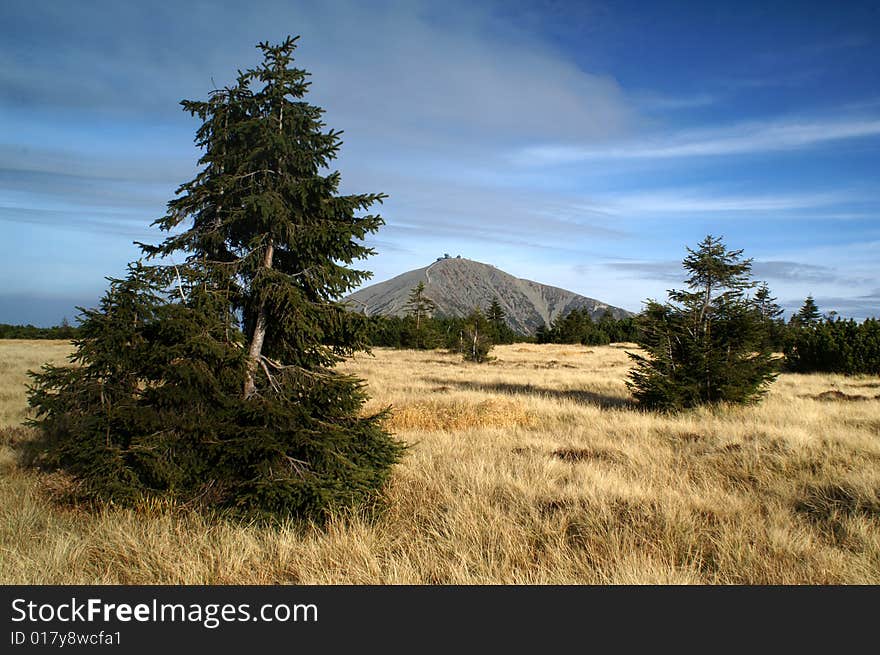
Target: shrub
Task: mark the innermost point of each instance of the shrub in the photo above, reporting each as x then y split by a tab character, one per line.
834	346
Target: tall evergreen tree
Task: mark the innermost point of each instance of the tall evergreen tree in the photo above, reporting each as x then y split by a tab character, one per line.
268	246
705	345
268	223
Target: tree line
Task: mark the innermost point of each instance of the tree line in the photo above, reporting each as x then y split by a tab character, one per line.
62	331
578	326
813	342
473	336
833	345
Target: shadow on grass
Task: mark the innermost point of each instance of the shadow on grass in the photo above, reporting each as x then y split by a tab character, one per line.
605	401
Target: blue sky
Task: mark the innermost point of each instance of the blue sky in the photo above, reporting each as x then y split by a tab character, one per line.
580	144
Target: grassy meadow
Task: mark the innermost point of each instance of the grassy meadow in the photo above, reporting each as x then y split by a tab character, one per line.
533	469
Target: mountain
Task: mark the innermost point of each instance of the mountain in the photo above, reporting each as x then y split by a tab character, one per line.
458	285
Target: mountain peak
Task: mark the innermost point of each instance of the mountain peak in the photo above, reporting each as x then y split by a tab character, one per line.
457	285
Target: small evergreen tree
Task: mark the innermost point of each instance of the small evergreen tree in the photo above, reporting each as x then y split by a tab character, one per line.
617	330
577	326
476	341
544	334
420	309
495	313
705	345
608	325
593	334
808	314
771	316
418	305
214	380
497	317
767	307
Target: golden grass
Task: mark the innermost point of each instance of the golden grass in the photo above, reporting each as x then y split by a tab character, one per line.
458	415
534	469
17	357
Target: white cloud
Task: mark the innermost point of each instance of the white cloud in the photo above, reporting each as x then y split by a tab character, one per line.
653	101
683	201
744	138
391	68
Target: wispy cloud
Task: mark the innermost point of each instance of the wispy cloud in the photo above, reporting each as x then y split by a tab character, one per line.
795	271
462	75
652	101
744	138
82	222
816	49
666	271
684	201
792	79
147	162
770	271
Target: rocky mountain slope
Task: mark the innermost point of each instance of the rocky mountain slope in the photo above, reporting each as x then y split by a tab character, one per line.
458	285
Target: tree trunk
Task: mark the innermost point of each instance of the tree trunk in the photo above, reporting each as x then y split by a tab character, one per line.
256	347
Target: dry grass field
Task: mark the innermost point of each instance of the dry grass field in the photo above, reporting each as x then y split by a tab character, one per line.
532	469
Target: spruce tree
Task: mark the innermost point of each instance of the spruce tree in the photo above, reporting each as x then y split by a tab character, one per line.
476	338
500	330
808	315
214	379
418	305
266	221
420	309
495	313
771	316
767	307
544	334
706	344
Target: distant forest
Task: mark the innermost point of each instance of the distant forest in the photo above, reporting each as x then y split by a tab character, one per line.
809	341
446	331
63	331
